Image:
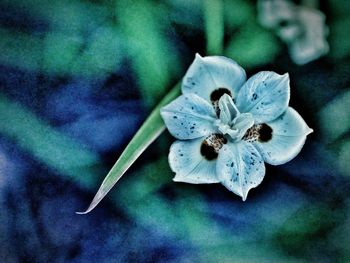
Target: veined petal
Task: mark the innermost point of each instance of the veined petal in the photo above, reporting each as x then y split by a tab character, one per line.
189	117
243	122
289	133
190	166
207	74
313	42
265	95
228	110
240	167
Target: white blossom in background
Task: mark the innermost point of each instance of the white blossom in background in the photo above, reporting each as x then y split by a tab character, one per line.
228	126
302	28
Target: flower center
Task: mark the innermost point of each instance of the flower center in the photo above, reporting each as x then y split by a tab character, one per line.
261	132
215	97
211	145
237	128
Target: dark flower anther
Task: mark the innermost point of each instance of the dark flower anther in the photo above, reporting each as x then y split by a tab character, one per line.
211	146
265	133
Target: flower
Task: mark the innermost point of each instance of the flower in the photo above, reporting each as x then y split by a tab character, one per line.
227	127
303	29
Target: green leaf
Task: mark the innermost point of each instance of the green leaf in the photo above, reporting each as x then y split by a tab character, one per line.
214	26
154	125
329	116
47	145
252	46
149	131
153	55
238	13
340	45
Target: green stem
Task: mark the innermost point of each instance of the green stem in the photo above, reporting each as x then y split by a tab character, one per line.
213	13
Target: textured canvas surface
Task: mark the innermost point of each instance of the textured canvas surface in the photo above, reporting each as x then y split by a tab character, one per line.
77	80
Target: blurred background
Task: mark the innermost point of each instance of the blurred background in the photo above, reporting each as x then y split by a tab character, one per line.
79	77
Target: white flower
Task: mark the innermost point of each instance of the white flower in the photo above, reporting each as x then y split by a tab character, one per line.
303	29
227	126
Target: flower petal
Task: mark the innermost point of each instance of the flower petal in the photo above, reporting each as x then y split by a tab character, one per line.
240	167
265	95
211	73
289	133
312	44
228	110
271	12
189	117
190	166
243	122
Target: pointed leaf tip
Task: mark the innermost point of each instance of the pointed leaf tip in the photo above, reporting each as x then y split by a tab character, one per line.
90	208
82	213
101	193
148	132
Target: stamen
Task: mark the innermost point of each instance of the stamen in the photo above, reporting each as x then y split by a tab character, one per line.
211	146
261	132
252	134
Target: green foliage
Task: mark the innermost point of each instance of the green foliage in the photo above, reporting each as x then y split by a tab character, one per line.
102	55
82	40
340	45
249	44
343	160
153	56
330	116
149	131
339	28
238	13
48	145
60	51
252	46
214	26
308	228
20	50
